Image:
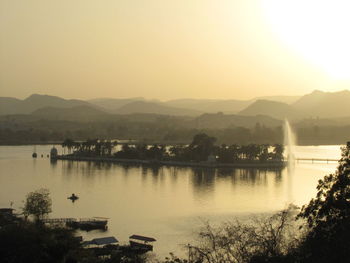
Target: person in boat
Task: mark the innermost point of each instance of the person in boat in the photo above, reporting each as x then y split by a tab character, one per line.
73	197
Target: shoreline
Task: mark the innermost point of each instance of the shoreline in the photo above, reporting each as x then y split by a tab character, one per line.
32	143
254	164
167	143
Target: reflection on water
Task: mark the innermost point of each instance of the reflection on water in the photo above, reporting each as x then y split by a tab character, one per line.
164	202
203	181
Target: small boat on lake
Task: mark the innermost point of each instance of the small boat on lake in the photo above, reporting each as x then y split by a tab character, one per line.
73	197
34	155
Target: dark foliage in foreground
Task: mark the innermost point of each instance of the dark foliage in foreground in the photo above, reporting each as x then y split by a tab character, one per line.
328	217
28	242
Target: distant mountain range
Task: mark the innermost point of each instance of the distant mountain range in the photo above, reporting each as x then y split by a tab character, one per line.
82	113
224	121
225	106
274	109
324	104
34	102
317	104
154	108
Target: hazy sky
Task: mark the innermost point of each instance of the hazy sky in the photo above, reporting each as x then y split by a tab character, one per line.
173	49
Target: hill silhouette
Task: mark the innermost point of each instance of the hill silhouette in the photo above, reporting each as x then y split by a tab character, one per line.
156	108
112	104
83	113
318	104
223	121
273	109
35	102
210	106
324	104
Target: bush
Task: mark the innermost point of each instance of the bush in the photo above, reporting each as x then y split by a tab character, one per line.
266	238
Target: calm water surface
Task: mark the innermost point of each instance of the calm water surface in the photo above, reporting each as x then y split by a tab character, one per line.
167	203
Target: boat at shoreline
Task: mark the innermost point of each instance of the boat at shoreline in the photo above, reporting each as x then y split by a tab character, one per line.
142	243
88	223
82	223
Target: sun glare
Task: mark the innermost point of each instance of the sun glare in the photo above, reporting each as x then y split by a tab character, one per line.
318	29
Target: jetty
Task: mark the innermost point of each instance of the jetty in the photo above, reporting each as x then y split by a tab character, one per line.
102	241
82	223
58	220
141	242
314	160
107	246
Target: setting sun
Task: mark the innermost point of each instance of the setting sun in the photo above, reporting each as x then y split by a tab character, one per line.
316	29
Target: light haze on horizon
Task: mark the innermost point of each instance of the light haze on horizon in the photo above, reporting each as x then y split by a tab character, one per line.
222	49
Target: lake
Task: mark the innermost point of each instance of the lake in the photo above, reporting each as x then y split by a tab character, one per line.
167	203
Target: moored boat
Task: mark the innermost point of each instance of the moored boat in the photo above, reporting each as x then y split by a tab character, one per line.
89	223
142	243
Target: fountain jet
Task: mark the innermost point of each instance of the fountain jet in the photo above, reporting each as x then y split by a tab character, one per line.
289	143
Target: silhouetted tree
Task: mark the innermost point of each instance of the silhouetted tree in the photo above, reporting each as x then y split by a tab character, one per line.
38	204
202	146
328	217
27	242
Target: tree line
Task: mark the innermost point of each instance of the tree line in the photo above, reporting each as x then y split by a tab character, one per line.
200	149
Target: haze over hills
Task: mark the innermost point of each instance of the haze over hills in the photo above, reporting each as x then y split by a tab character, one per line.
9	106
81	113
35	102
210	106
223	121
317	104
225	106
324	104
191	107
154	107
274	109
84	114
44	118
116	106
198	105
284	99
112	104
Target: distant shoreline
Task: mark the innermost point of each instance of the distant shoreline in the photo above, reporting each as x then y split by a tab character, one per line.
248	164
168	143
30	143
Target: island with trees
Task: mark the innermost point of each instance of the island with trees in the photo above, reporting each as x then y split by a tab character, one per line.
202	152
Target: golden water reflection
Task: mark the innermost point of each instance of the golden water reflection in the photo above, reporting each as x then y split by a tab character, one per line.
165	202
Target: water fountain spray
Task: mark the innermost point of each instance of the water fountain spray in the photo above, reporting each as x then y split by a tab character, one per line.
289	143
